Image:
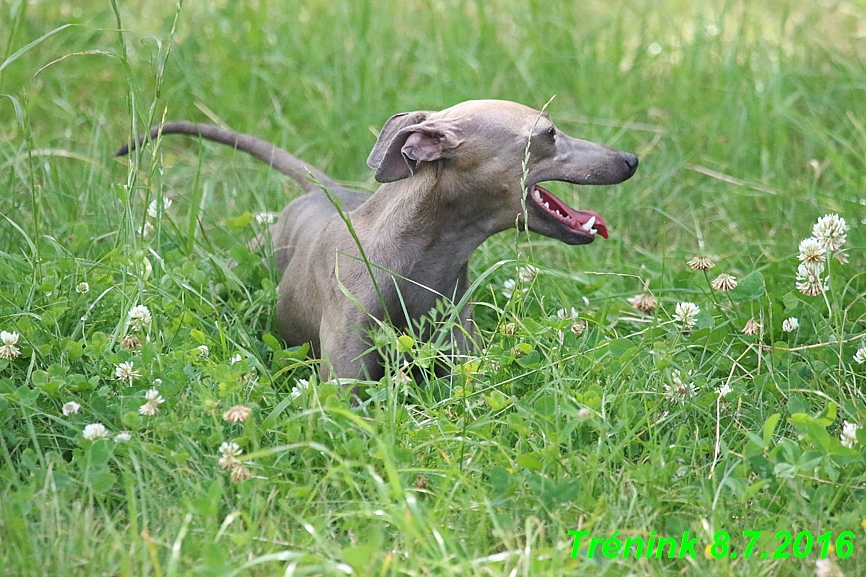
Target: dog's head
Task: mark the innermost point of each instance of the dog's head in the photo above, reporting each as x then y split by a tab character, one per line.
487	149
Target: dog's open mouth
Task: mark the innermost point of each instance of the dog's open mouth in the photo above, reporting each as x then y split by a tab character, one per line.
580	221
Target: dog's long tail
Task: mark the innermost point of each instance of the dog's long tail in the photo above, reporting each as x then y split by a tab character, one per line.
278	158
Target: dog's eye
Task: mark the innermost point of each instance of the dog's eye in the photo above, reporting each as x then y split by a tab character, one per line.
551	131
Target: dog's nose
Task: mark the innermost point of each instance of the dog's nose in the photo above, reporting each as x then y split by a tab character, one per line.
630	161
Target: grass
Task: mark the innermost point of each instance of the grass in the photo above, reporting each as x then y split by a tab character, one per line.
749	120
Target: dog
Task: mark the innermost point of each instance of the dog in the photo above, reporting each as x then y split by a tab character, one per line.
450	180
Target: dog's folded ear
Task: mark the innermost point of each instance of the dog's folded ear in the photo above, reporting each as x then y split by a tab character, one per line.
394	125
407	139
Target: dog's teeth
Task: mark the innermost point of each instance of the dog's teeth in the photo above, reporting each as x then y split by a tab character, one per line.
593	231
588	224
547	205
537	194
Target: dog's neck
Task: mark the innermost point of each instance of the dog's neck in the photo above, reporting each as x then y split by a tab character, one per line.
421	219
425	228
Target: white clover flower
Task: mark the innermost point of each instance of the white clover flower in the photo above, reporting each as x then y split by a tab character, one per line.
680	391
266	217
566	315
203	351
82	288
71	408
509	286
153	208
9	338
298	390
230	453
830	232
228	449
146	229
849	434
401	378
8	350
95	432
123	437
811	251
154	400
140	317
584	413
526	274
725	390
686	314
126	372
826	568
809	279
790	325
860	356
579	327
236	359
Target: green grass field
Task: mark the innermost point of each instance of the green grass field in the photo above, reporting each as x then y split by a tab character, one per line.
750	122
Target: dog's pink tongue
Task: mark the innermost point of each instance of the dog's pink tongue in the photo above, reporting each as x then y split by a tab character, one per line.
585	220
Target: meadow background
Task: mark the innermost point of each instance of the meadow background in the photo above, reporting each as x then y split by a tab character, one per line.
750	122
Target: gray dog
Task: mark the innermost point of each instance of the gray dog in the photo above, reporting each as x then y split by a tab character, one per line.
451	180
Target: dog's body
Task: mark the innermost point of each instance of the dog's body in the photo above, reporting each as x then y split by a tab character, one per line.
451	180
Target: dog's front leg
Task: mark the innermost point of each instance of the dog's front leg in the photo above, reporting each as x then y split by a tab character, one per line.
346	352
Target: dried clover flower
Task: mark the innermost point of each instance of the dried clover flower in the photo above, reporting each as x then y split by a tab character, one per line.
237	414
724	282
240	473
131	342
752	327
701	262
644	302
